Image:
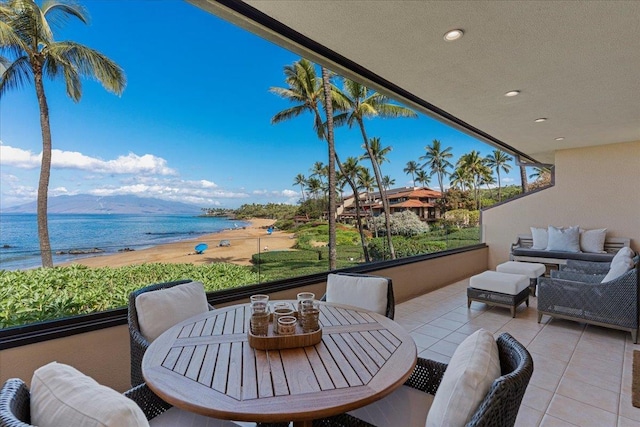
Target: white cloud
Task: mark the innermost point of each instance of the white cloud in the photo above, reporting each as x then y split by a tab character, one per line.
506	180
129	164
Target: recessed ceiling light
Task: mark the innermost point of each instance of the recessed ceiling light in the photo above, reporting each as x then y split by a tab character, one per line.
453	35
541	119
560	138
512	93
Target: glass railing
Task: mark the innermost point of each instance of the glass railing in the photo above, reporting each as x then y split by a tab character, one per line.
86	281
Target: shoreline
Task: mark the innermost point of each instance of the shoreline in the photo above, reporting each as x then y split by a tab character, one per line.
244	243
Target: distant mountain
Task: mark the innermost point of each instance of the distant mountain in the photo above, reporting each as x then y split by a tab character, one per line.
86	204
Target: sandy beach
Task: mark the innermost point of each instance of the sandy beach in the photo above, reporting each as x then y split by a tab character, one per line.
244	243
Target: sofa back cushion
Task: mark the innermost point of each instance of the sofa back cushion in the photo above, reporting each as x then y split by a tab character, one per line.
540	238
621	263
593	240
564	239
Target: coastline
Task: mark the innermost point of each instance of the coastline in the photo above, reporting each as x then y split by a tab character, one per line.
244	243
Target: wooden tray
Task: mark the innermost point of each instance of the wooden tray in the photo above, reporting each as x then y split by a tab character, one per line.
278	342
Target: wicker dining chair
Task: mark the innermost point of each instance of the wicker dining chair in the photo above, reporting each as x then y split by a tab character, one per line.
15	403
500	406
350	279
139	343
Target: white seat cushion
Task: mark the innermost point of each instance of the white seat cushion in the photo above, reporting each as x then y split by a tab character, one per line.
505	283
177	417
406	407
159	310
63	396
369	293
474	366
530	269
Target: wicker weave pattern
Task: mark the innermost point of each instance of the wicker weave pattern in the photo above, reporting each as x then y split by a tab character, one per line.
577	276
499	407
586	267
391	302
139	343
613	304
15	402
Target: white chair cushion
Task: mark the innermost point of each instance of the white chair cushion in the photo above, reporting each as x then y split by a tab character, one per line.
593	240
63	396
406	407
178	417
540	238
530	269
504	283
159	310
474	366
564	239
369	293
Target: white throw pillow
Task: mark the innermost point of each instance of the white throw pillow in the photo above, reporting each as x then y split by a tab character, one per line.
563	239
474	366
620	264
593	240
369	293
540	238
63	396
159	310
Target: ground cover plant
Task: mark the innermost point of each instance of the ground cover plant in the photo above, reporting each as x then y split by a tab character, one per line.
49	293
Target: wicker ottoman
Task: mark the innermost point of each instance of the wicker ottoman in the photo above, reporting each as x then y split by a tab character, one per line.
530	269
501	289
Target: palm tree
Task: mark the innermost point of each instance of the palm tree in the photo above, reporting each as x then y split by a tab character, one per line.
314	186
411	169
422	177
301	181
350	171
26	35
319	170
437	160
499	160
308	93
368	183
387	182
361	102
328	108
473	165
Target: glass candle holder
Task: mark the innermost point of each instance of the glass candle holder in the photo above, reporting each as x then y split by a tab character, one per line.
280	310
304	296
309	315
287	325
259	321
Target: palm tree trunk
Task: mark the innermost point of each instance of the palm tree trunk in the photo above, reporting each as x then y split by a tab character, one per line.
383	196
499	192
523	179
363	239
45	170
328	106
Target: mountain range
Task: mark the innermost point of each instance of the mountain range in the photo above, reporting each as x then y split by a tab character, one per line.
87	204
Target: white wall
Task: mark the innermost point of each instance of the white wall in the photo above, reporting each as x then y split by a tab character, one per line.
595	187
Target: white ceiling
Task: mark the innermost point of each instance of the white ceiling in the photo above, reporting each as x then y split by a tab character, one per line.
577	63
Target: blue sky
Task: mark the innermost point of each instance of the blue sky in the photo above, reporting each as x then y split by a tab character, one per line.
193	123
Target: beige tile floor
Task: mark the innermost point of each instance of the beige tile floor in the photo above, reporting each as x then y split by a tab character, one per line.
582	373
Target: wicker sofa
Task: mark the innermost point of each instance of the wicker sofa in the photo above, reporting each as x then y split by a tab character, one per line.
578	293
522	250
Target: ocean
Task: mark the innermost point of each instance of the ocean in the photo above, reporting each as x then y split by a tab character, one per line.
20	247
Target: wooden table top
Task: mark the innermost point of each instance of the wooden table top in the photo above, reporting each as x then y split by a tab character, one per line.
205	365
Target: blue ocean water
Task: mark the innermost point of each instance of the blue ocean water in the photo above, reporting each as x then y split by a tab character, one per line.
19	245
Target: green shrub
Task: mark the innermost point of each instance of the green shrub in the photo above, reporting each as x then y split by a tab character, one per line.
48	293
404	247
282	256
344	252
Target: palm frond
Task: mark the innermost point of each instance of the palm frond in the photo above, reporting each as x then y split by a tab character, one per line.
88	62
58	12
288	113
10	41
16	75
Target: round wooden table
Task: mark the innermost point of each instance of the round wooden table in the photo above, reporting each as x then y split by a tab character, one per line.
205	365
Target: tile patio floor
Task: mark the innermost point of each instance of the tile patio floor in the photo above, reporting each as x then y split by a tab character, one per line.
582	373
